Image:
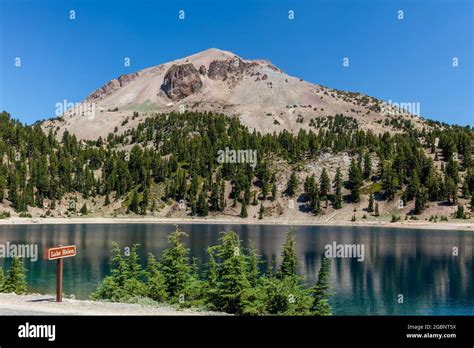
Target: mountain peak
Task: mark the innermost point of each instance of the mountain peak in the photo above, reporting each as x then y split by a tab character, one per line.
261	95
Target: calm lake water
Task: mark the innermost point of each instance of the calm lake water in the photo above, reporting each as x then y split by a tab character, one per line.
419	264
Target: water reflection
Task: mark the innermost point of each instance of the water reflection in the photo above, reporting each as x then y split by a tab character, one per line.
416	264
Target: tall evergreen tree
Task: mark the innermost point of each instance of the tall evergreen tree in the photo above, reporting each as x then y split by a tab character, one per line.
289	264
324	184
355	181
367	166
320	292
176	267
202	205
338	189
292	185
370	207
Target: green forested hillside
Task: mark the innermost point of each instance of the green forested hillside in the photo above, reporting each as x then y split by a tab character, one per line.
179	152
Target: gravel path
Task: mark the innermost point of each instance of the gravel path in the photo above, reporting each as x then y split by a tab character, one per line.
34	304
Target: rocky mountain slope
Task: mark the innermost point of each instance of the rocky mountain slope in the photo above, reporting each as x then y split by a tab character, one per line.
260	94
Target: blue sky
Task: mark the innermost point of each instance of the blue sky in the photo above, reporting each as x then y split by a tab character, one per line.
407	60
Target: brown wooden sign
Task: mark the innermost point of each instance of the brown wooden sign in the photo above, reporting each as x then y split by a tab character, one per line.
61	252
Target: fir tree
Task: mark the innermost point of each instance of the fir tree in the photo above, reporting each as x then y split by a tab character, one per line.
460	212
320	305
243	211
292	185
274	191
289	264
367	166
420	201
261	211
389	181
145	201
370	207
175	265
355	181
156	283
202	207
2	280
15	280
135	203
232	285
254	201
338	190
324	183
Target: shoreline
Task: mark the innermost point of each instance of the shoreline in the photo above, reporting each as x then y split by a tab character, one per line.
464	226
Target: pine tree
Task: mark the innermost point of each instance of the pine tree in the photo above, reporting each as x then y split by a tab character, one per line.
3	186
134	269
367	166
145	201
320	305
192	205
420	201
214	201
175	265
292	185
211	273
274	191
261	211
156	283
338	190
355	181
232	285
202	207
135	203
83	210
324	184
451	190
389	181
370	207
243	211
309	187
253	266
16	278
119	267
316	203
289	264
222	200
107	201
2	280
460	212
376	212
254	201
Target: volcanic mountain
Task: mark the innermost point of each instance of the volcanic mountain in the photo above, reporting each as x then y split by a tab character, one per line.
260	94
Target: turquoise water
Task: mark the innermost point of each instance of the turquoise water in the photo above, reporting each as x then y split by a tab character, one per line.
418	264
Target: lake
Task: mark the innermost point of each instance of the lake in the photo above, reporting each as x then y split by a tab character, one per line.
418	264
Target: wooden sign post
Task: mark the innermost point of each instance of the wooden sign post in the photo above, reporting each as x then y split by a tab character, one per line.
59	253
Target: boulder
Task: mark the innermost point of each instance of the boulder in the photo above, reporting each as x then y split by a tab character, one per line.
181	81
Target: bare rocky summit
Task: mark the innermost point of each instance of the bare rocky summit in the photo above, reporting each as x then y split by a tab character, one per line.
261	95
